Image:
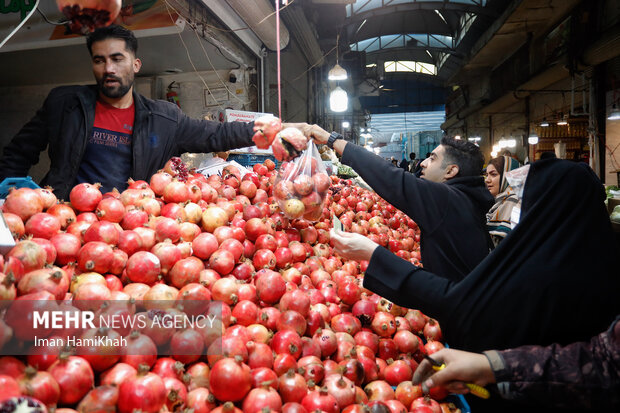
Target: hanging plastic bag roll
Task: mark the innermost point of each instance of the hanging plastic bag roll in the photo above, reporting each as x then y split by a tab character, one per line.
301	186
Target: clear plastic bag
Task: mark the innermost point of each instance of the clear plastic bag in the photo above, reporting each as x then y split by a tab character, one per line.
301	186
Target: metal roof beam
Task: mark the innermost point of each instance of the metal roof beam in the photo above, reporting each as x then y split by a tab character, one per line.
388	8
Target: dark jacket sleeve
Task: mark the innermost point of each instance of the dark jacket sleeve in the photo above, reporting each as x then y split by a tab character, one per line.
405	284
583	375
420	199
24	149
199	136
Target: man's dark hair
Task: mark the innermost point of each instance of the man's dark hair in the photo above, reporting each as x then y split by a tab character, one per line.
547	155
466	155
113	31
412	155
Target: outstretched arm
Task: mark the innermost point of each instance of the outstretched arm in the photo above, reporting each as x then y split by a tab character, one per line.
583	375
24	149
420	199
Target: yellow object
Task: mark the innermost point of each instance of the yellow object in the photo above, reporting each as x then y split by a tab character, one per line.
473	388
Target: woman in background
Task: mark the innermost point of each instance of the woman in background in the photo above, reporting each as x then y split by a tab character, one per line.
499	216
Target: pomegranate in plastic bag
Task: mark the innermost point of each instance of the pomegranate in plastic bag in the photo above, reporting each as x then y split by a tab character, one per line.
301	186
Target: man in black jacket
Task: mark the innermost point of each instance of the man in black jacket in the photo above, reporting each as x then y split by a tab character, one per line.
108	133
448	203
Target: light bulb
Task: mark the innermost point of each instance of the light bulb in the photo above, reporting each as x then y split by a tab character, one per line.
338	100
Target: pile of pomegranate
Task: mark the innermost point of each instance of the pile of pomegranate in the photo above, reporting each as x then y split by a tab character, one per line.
299	333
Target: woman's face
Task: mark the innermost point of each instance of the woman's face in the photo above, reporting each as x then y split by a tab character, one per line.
492	180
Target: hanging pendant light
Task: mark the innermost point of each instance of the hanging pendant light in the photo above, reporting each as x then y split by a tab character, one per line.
338	100
615	113
563	121
337	72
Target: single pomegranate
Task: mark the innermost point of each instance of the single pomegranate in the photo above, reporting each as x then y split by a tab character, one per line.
186	346
262	398
42	225
270	286
101	398
85	197
230	380
214	217
341	388
40	385
31	255
143	267
320	399
110	209
117	374
292	387
23	202
185	271
74	376
95	256
145	392
432	331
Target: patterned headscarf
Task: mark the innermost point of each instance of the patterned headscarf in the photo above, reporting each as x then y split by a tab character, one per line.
509	165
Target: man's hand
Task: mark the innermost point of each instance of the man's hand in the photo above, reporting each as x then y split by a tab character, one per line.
352	246
319	134
265	129
461	367
302	126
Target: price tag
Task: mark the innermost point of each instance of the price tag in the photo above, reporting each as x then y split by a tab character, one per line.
337	224
6	238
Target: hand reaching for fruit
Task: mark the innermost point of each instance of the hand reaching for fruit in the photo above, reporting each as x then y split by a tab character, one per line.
352	246
288	140
265	130
288	144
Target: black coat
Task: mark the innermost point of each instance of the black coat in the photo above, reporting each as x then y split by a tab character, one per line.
451	215
65	121
554	278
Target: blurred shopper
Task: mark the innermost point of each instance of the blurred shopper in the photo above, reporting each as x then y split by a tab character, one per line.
414	163
501	216
404	164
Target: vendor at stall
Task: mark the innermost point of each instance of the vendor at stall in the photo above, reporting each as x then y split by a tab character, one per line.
108	132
